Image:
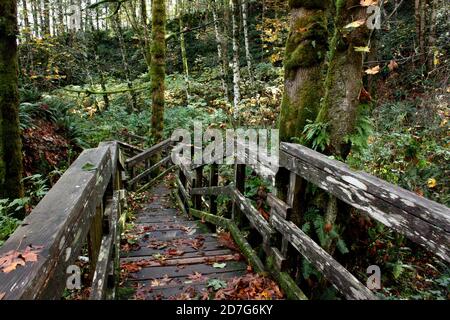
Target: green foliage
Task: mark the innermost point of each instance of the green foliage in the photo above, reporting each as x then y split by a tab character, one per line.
315	134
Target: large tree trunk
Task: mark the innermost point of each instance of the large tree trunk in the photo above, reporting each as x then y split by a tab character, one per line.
158	67
10	141
343	82
236	68
306	48
246	39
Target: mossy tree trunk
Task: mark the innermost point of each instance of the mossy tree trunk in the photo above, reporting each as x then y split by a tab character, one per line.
183	49
306	48
10	141
158	67
344	82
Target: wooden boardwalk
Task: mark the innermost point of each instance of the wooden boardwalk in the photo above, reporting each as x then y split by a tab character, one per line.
175	255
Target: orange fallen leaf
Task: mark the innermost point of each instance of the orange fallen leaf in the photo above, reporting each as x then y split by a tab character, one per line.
368	3
373	70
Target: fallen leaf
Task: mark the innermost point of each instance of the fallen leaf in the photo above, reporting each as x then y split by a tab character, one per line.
392	65
373	70
362	49
368	3
88	167
12	259
219	265
175	252
355	24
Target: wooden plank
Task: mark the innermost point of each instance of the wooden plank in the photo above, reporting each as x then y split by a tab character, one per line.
100	279
280	207
421	220
149	171
152	262
148	153
208	191
213	182
174	271
346	283
59	223
256	219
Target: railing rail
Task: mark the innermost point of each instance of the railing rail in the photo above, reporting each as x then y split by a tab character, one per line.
423	221
82	207
85	206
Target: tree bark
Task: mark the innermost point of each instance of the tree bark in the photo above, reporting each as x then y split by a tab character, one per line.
46	18
246	39
183	50
158	68
236	69
11	169
306	48
219	41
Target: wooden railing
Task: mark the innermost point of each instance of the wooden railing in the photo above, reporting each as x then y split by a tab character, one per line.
84	210
81	211
423	221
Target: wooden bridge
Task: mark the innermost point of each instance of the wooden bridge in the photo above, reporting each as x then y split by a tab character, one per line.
85	208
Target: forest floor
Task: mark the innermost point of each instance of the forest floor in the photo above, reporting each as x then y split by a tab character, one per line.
166	255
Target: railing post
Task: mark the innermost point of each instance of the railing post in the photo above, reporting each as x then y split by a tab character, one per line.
239	181
198	183
95	237
213	182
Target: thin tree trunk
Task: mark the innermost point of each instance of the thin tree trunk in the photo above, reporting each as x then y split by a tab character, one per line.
219	41
183	50
236	69
34	11
46	18
432	33
246	39
26	20
11	168
158	67
60	13
145	26
126	67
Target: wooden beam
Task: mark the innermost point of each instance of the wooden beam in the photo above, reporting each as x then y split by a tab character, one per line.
346	283
421	220
147	154
59	223
149	171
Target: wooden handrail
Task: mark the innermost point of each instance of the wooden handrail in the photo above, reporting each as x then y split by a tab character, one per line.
147	154
61	223
421	220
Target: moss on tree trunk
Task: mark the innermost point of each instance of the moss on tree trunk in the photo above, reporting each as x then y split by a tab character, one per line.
305	53
158	67
10	141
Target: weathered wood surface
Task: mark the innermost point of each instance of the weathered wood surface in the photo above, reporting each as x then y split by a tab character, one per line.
147	172
346	283
59	223
215	191
197	251
256	219
147	154
421	220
